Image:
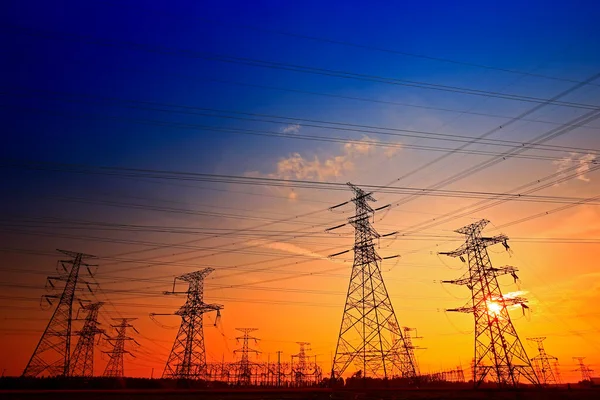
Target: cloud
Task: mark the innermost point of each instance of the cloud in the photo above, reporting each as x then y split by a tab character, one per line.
573	159
331	166
296	166
292	128
292	249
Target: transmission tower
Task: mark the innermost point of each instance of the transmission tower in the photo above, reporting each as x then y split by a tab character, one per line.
301	368
544	370
52	355
365	338
115	366
82	360
586	372
245	367
499	353
187	359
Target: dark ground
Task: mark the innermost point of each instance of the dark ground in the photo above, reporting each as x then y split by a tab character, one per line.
309	393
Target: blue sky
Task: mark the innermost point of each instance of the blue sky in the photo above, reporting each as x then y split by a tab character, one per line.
557	40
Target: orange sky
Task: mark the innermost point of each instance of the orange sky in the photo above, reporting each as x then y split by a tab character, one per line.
299	296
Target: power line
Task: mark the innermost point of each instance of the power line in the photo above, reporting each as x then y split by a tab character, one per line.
163	13
278	119
281	66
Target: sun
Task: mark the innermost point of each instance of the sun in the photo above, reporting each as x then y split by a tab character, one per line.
494	307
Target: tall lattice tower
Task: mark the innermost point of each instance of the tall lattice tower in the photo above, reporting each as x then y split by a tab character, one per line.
244	374
299	369
115	367
52	355
187	359
586	372
545	372
365	338
499	353
82	359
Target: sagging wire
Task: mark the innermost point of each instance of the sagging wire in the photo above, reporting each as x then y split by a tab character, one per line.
160	324
452	295
448	266
455	327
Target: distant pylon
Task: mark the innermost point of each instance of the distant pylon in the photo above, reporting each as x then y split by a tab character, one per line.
187	359
52	355
244	366
544	370
115	367
365	338
499	353
586	372
82	360
557	373
300	369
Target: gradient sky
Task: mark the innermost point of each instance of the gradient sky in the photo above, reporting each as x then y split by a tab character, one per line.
136	84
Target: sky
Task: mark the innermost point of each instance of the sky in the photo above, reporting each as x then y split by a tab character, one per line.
390	95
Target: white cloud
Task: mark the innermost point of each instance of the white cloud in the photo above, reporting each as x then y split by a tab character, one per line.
584	162
332	166
292	128
296	166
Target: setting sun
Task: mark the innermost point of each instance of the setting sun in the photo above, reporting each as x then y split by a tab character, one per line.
494	307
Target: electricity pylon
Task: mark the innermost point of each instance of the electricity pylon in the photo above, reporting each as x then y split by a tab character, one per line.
82	360
365	338
300	370
52	355
499	353
187	359
244	366
586	372
115	367
544	370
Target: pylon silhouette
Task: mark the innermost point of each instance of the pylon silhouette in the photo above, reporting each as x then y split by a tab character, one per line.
544	370
115	367
365	338
187	359
245	366
83	356
586	372
52	355
499	353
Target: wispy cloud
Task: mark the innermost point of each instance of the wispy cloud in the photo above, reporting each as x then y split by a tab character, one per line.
292	128
331	166
296	166
572	159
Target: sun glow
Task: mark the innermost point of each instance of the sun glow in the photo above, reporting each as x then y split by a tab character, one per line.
494	307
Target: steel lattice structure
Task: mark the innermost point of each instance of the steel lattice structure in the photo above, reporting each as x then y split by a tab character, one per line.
544	370
244	367
586	372
499	353
52	355
365	338
115	367
82	360
187	359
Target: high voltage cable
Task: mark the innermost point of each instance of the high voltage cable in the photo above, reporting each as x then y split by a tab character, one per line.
163	13
265	133
280	66
306	122
268	181
345	97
